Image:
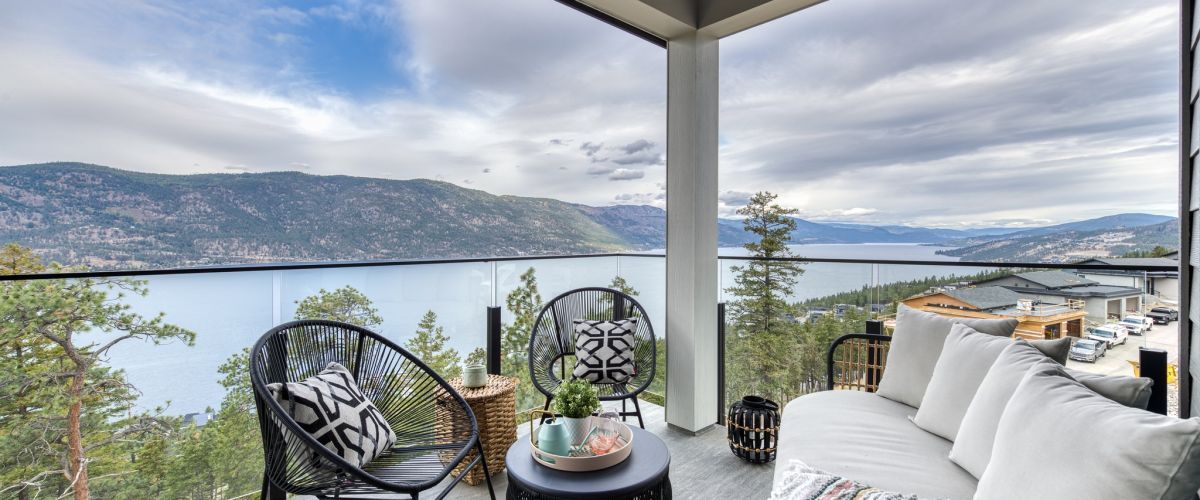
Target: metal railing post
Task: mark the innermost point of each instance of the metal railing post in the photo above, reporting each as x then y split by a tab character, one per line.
874	327
721	363
493	340
1154	367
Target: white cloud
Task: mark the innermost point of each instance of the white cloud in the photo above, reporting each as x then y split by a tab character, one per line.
1003	113
625	174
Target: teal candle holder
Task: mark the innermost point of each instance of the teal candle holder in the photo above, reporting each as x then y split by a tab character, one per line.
475	376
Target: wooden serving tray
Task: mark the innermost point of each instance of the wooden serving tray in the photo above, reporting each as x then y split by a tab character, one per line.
584	464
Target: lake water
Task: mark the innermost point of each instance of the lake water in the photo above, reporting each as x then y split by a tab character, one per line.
229	311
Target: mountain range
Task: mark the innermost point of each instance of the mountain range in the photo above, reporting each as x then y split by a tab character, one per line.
1106	236
105	218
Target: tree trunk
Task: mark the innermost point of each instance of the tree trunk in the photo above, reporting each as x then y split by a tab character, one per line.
76	461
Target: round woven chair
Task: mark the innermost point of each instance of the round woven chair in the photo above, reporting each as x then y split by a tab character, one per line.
435	428
552	342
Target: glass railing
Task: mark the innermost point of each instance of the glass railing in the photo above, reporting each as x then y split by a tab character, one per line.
209	432
777	349
197	393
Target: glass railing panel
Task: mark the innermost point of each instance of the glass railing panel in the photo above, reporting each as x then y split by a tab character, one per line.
776	348
646	275
897	282
549	278
226	311
1060	302
458	295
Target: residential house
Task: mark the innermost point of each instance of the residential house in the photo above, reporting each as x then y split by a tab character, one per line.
1101	301
1159	286
1036	320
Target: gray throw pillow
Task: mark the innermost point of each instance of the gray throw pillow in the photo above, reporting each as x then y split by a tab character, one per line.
967	355
1056	436
915	347
1057	349
1133	392
973	445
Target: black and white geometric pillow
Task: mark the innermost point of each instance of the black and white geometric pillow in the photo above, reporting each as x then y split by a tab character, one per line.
331	408
604	351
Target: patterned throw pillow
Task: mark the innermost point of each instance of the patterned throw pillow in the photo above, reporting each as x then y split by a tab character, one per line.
331	408
604	350
801	482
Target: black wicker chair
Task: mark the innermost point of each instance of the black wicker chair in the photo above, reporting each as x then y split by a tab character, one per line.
553	341
435	428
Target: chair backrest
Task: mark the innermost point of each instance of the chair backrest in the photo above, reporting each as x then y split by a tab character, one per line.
409	394
553	335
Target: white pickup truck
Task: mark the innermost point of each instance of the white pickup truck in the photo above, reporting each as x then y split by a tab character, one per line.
1111	334
1136	324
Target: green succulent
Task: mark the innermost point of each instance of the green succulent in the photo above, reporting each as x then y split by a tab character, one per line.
576	398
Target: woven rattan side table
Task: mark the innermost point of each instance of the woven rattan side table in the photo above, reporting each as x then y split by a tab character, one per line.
495	408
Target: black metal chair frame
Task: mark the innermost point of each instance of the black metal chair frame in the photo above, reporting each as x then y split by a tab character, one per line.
553	333
283	436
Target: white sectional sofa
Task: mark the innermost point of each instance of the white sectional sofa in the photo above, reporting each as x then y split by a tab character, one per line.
871	437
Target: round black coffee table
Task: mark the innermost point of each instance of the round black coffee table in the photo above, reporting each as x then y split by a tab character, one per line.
642	476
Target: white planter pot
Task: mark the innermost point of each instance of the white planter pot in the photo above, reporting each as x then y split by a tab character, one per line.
577	428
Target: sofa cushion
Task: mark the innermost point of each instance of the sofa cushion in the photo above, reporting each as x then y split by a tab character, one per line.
1056	349
973	444
867	438
966	357
916	345
1133	392
1059	439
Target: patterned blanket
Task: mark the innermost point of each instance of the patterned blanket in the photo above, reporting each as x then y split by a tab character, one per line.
801	482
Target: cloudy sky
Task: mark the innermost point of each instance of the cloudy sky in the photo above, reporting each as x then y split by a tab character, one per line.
924	112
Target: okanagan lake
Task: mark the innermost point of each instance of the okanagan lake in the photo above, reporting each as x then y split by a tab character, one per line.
229	311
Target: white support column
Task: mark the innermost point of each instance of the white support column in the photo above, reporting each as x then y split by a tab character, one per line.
692	232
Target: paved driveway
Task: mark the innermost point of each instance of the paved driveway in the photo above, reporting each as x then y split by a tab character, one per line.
1116	362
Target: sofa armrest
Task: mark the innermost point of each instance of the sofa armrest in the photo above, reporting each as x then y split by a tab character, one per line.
856	361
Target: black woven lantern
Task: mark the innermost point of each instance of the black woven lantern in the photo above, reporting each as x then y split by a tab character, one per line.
753	425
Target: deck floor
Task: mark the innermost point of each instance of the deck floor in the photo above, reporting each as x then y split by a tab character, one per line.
702	466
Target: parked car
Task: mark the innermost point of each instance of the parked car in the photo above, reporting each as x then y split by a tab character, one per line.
1111	334
1171	313
1159	318
1088	350
1135	325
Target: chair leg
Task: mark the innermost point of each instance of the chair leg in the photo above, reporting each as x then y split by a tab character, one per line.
637	408
545	408
623	410
487	475
270	492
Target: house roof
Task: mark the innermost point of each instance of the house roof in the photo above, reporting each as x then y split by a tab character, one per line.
985	297
1145	261
1055	279
1106	291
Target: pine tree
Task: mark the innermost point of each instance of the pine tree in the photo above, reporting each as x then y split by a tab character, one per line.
345	304
477	356
429	345
78	322
764	331
524	303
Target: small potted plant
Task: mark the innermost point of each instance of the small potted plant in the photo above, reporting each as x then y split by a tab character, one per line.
576	400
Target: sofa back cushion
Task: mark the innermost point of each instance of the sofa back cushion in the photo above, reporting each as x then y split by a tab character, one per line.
916	345
972	448
966	357
1059	439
